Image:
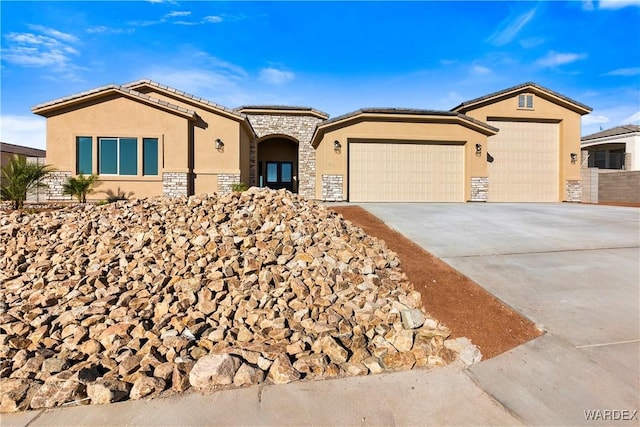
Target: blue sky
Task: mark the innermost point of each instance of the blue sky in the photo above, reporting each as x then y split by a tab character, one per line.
333	56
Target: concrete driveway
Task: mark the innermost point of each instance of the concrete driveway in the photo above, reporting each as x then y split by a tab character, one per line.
574	271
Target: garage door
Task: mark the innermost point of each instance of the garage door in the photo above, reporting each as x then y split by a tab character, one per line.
406	172
525	162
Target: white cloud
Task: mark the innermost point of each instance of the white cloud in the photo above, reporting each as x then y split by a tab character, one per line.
509	28
554	59
617	4
276	77
531	42
30	131
588	5
633	119
51	49
624	72
212	19
177	13
479	69
102	29
591	119
58	35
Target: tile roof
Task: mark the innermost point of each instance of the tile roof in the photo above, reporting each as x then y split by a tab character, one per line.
5	147
112	87
282	108
183	94
618	130
407	111
516	88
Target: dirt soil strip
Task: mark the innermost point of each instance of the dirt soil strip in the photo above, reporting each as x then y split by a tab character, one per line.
449	296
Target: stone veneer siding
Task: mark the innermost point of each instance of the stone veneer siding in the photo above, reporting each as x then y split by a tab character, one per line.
332	188
55	182
479	189
174	184
226	180
298	126
573	191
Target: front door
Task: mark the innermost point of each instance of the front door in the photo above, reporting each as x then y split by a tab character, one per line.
279	175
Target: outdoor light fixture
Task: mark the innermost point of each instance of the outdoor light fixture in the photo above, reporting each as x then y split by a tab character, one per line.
336	146
574	158
219	144
478	150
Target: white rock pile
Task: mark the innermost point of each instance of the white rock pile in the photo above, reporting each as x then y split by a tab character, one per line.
140	298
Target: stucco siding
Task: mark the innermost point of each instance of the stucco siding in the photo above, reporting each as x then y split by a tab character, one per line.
330	162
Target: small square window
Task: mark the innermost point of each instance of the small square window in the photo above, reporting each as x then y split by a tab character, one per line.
525	101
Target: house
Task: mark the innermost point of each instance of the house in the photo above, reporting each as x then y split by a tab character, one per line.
9	150
534	156
35	155
615	148
519	144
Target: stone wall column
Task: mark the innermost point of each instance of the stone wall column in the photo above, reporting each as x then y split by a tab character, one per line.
55	181
573	190
175	184
332	188
226	180
479	188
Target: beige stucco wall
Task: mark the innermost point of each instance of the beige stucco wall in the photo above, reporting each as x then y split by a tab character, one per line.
407	129
119	117
544	109
208	162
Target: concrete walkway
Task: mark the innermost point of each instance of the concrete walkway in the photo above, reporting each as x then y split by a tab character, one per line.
572	269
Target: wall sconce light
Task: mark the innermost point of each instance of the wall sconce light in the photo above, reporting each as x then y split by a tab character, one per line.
336	146
478	150
219	144
574	158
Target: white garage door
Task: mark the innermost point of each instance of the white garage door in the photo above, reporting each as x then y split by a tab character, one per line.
525	162
406	172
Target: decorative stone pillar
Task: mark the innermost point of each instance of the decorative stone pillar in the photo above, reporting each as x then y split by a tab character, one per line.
479	189
573	191
332	188
55	181
226	180
174	184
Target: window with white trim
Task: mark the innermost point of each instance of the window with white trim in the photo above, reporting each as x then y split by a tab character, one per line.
118	156
525	101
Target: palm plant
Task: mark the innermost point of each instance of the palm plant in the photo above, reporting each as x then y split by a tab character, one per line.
80	186
19	177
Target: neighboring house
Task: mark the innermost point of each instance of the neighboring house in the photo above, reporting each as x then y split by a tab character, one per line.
615	148
9	150
520	144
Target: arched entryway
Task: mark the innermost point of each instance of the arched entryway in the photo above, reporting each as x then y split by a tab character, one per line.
278	163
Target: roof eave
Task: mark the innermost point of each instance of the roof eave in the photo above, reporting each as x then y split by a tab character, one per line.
415	115
47	110
203	103
489	99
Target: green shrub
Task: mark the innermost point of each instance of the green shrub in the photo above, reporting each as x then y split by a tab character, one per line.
19	177
80	186
238	187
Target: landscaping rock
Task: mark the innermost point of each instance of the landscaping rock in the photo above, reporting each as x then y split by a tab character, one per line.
214	369
132	298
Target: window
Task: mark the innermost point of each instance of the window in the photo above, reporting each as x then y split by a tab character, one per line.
525	101
150	156
84	155
118	156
